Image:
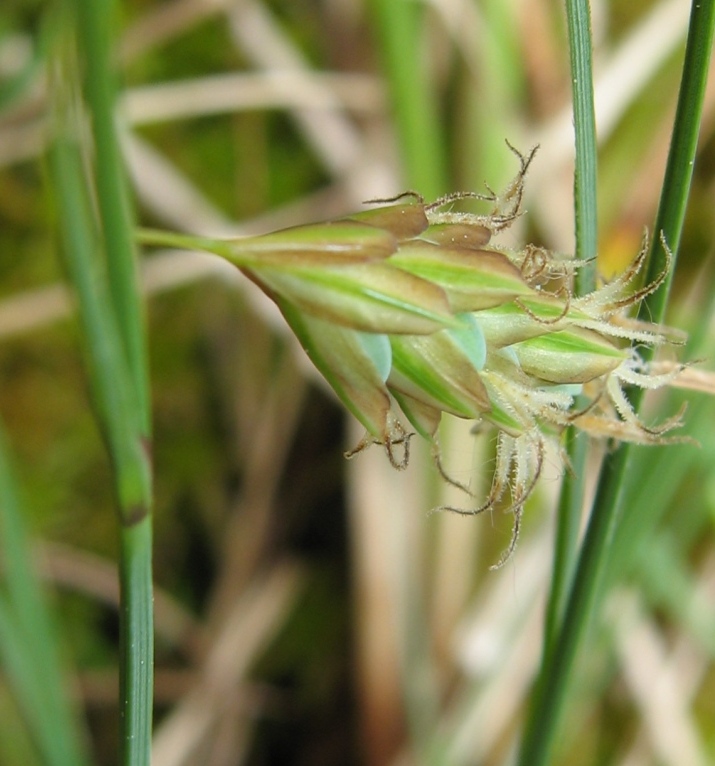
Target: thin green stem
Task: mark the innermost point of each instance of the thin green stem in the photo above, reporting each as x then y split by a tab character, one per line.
567	535
160	238
681	157
137	642
100	264
585	174
95	21
586	217
550	691
111	385
119	418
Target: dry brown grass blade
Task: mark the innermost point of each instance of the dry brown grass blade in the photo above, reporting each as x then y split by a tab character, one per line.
660	681
237	643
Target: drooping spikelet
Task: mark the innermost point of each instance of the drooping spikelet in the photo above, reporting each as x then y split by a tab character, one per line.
409	311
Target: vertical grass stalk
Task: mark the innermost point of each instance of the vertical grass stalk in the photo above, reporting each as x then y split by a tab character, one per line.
100	262
586	218
400	31
95	21
584	598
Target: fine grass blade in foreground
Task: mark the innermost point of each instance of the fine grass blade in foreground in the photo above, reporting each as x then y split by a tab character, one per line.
28	640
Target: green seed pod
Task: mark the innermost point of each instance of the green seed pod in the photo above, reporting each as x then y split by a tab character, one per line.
323	243
407	303
424	419
499	415
373	297
520	320
355	364
568	356
472	279
442	370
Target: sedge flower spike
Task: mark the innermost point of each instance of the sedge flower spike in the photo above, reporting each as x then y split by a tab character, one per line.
410	311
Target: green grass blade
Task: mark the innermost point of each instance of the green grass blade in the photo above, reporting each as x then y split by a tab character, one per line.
113	392
399	27
28	645
119	398
95	23
586	217
112	388
567	535
585	175
550	695
136	680
683	146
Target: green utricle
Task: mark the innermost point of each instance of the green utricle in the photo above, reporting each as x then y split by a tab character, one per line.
373	297
423	417
568	356
472	279
442	370
518	320
315	244
355	364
